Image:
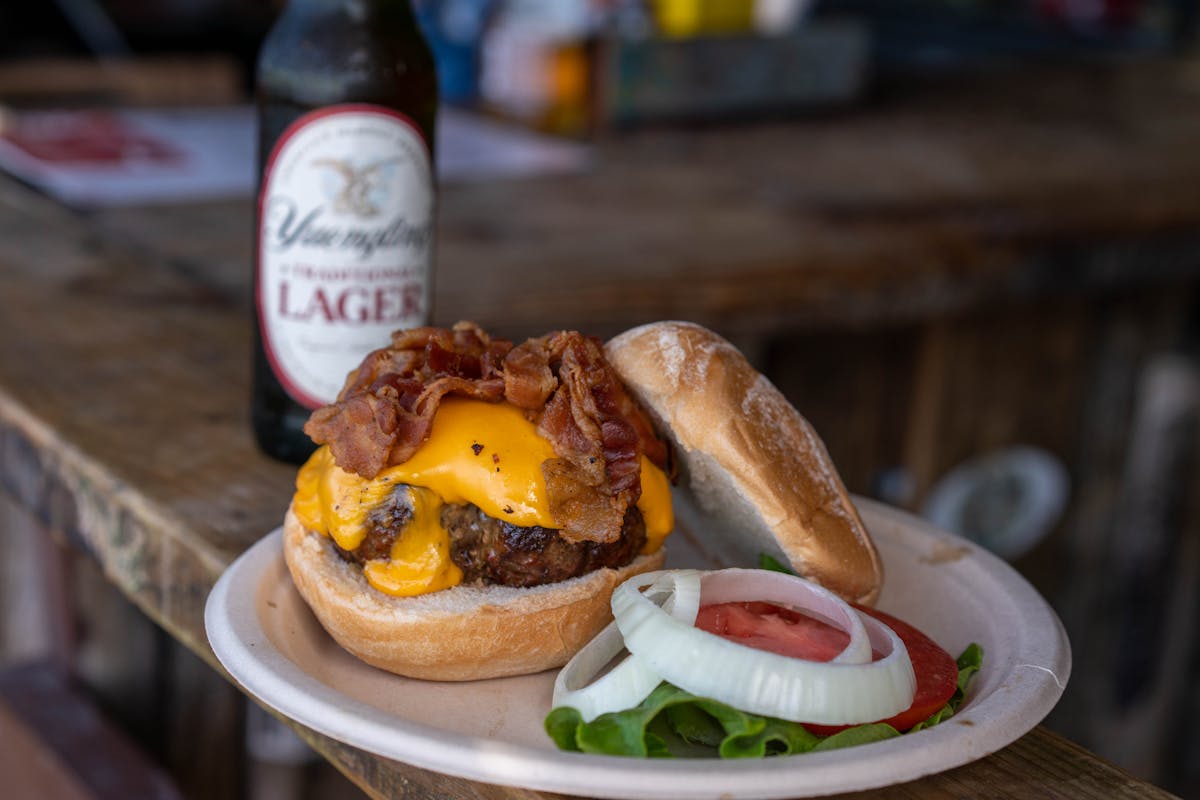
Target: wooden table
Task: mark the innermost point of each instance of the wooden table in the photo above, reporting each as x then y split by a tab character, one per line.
125	369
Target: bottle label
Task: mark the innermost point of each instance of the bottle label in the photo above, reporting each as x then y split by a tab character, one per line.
345	243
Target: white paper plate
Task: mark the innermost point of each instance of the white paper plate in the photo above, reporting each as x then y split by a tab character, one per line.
491	731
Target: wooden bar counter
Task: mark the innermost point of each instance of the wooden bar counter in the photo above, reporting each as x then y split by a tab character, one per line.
124	379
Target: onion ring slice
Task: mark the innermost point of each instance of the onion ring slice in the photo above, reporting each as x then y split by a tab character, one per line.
630	681
845	691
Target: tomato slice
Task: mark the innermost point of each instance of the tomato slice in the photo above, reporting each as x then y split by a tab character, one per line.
766	626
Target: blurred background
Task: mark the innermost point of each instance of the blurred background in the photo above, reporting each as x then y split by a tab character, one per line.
1046	406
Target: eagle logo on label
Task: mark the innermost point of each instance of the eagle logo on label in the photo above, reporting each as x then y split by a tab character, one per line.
359	191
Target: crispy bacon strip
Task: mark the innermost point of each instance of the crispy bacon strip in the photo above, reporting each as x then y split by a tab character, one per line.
600	453
386	407
528	379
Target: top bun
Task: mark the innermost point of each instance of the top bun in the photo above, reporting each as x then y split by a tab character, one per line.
749	459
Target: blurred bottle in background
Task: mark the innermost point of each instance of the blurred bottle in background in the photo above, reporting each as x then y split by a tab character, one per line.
535	63
347	97
687	18
455	30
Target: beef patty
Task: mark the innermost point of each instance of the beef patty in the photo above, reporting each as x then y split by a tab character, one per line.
492	551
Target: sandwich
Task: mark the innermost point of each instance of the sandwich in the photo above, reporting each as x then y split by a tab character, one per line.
473	503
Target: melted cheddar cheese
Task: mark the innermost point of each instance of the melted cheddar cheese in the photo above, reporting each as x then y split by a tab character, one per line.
483	453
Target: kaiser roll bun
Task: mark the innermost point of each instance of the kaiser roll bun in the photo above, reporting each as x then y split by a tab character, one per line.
457	634
755	467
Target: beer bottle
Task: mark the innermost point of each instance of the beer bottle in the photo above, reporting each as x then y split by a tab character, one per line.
347	96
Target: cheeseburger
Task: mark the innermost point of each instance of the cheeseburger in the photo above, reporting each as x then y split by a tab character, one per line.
473	503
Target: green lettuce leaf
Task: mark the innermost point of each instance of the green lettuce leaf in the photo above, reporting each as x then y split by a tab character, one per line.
770	562
859	734
969	663
674	723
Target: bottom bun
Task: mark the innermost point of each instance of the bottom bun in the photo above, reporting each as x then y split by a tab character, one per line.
459	634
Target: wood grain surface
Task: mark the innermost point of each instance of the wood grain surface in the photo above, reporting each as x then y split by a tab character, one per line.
124	383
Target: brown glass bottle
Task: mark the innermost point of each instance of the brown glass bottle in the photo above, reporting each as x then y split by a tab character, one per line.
347	99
